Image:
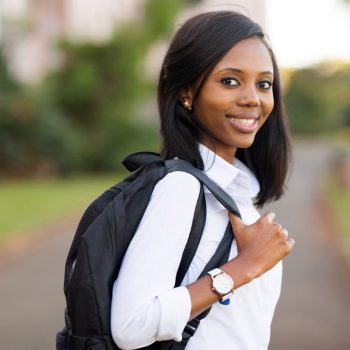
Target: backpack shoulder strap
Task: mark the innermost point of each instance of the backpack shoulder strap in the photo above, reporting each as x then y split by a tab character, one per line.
218	192
139	159
136	160
222	252
193	239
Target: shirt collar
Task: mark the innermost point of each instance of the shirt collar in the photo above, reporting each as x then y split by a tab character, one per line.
226	174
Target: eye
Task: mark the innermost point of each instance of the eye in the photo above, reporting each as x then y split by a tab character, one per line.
265	84
229	81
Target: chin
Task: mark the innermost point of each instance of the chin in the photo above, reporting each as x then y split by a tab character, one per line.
246	142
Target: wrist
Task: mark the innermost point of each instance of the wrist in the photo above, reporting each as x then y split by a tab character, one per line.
241	270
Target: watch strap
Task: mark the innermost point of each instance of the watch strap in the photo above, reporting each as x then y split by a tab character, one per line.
215	272
226	297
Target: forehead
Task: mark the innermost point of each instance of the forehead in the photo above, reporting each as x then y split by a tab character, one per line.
247	55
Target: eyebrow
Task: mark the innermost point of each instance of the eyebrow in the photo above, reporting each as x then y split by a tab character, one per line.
236	70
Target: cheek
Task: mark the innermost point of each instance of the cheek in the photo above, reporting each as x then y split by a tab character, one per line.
210	107
268	104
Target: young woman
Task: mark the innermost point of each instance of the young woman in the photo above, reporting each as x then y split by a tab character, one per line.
221	109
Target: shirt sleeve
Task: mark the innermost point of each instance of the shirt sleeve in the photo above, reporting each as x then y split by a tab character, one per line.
145	305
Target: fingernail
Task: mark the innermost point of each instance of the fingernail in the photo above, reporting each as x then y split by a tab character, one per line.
291	241
285	232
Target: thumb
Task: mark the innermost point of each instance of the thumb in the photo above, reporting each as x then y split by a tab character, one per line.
236	222
268	217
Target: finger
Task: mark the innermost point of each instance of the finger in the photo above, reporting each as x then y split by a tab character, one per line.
236	222
284	232
269	217
291	242
278	226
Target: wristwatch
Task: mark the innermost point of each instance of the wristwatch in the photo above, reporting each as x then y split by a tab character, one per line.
222	285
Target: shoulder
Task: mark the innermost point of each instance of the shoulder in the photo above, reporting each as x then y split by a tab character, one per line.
178	184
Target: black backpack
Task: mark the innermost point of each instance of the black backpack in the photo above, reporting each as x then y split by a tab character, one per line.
101	240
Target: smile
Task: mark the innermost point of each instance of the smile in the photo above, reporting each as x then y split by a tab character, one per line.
245	121
243	124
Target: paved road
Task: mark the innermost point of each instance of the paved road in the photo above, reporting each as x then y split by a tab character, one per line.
314	309
31	296
313	313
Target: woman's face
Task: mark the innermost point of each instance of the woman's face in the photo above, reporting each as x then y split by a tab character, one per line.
237	98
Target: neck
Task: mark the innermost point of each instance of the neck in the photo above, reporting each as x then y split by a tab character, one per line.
224	151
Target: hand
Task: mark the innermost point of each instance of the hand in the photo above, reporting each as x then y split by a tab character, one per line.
261	245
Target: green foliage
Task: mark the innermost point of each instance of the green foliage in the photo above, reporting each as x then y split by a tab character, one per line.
317	99
85	116
160	15
20	126
99	88
31	142
338	200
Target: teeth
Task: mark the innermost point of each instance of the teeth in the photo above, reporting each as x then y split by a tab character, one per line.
245	121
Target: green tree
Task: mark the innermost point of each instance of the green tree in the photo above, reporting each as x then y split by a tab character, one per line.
316	98
100	87
85	116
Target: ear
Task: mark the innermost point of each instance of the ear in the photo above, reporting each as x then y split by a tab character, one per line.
186	97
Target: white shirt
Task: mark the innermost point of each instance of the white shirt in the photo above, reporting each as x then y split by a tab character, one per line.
146	307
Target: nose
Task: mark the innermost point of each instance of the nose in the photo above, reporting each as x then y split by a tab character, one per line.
249	97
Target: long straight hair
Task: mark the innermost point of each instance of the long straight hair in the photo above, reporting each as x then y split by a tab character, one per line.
195	49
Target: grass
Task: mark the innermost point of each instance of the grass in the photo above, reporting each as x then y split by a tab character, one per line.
339	202
338	198
337	195
28	205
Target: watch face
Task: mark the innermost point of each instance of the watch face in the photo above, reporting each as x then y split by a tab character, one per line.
223	283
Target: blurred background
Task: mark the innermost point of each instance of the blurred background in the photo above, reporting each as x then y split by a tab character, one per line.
78	93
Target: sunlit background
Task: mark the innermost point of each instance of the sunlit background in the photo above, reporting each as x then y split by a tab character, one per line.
77	94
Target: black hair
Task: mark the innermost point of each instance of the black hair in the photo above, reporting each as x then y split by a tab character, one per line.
195	49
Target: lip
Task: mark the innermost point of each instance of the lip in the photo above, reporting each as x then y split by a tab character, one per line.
235	120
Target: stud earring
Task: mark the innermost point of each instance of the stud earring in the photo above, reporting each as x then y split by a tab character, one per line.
187	105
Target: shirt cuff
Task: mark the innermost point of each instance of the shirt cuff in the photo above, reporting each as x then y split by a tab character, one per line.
175	309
